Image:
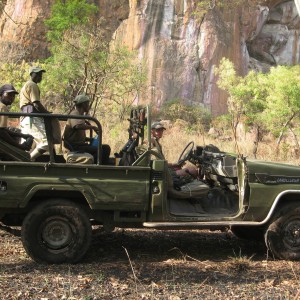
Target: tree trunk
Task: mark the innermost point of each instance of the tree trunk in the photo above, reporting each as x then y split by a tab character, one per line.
256	140
297	147
282	131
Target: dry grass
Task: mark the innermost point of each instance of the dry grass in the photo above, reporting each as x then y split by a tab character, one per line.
150	265
177	137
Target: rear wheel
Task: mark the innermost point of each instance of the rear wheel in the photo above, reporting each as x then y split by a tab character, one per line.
57	231
283	235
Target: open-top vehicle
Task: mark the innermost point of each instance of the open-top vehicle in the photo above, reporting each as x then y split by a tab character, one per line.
56	201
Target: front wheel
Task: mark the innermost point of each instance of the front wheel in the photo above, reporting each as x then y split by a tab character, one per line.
57	231
283	235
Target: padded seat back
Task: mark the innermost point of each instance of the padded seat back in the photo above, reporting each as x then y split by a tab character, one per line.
10	152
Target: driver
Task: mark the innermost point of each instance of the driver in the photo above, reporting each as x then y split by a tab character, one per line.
157	130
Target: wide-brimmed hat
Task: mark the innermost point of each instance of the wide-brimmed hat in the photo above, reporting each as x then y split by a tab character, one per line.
157	125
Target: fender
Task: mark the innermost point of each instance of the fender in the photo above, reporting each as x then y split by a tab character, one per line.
86	191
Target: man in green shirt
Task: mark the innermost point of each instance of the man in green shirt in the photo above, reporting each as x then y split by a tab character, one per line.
30	102
75	131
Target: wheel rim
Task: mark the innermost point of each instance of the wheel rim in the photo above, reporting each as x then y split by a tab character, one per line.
291	236
56	233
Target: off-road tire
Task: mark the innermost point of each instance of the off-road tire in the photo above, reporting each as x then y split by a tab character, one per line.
283	235
56	231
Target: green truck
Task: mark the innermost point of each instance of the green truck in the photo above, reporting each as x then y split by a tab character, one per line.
56	202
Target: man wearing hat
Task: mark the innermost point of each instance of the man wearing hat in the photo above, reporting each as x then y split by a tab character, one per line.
30	102
74	134
7	97
157	130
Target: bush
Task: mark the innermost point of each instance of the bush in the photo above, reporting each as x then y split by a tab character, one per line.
194	115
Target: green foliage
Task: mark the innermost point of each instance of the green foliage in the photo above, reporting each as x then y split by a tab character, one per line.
68	13
194	115
247	97
267	101
83	61
15	74
283	97
204	6
222	121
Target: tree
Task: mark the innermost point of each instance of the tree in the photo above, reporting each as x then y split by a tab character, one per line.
246	98
255	105
283	103
68	13
196	117
230	82
83	61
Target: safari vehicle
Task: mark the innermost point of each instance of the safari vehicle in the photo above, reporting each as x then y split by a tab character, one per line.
56	202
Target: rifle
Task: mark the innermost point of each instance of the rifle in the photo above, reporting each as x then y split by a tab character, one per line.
137	122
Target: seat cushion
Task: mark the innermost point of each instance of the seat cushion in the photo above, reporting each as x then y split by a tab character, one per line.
79	158
194	189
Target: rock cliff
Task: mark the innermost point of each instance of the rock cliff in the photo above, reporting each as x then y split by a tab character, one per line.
181	50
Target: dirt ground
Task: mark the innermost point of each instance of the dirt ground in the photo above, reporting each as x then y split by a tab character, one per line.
149	264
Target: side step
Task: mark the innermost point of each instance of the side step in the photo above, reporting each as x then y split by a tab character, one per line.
197	225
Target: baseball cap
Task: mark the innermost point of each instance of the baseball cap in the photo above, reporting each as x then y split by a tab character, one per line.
36	70
81	98
8	88
157	125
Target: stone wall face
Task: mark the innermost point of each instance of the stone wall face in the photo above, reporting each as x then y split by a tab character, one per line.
23	31
181	50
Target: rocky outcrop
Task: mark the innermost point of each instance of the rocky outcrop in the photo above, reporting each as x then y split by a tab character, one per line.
23	31
181	49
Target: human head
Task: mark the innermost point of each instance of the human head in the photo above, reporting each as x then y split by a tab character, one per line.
7	94
82	102
157	130
36	74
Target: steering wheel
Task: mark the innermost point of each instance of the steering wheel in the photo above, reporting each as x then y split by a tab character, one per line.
186	153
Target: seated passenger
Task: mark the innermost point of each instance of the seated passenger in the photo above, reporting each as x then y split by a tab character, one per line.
74	134
7	94
157	130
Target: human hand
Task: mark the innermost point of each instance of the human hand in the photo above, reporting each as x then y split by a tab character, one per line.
95	128
176	166
25	146
27	136
28	143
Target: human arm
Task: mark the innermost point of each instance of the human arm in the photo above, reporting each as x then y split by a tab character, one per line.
32	93
8	136
40	107
85	126
176	166
13	133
